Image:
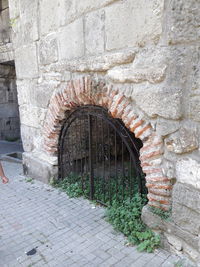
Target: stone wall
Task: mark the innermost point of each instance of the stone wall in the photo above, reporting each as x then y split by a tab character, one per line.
150	56
9	113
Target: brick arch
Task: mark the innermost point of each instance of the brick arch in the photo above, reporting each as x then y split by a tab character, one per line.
85	91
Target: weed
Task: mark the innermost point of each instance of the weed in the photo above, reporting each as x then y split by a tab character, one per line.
124	213
178	264
11	139
29	180
165	215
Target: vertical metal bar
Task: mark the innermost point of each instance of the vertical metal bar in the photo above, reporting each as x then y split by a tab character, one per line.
76	147
130	176
116	176
96	159
91	170
81	154
123	175
103	160
109	164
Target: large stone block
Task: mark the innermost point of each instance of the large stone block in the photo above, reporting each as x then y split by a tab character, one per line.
165	127
48	49
157	101
188	171
94	32
29	12
183	141
76	8
71	40
4	4
23	90
14	8
38	169
183	21
42	93
28	135
128	23
52	15
32	116
187	196
4	26
26	62
186	218
194	108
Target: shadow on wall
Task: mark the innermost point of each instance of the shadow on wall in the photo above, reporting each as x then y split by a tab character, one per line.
9	112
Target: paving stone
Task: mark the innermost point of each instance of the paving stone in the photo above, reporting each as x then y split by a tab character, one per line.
71	234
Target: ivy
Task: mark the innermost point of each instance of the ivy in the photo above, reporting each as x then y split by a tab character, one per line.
124	214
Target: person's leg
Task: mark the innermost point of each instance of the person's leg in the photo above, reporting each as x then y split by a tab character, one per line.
2	175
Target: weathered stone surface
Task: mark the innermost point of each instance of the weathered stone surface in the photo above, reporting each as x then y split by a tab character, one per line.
157	101
95	63
40	96
188	171
4	26
193	253
4	4
28	135
165	127
131	75
183	21
48	49
186	195
32	116
34	93
31	164
6	53
71	40
152	220
186	218
183	141
94	32
29	15
14	9
194	108
75	8
52	15
174	241
26	62
133	23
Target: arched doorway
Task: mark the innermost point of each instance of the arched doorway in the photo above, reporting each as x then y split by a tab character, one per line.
100	154
86	91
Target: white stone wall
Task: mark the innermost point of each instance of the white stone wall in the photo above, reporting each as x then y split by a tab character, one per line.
147	49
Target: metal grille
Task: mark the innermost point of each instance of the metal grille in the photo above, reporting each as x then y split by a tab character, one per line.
98	152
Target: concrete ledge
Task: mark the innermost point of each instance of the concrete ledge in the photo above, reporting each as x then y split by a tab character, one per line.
40	170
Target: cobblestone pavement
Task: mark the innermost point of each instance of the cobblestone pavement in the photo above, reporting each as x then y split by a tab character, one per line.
64	232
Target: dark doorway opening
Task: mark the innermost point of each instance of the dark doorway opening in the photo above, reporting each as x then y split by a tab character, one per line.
101	154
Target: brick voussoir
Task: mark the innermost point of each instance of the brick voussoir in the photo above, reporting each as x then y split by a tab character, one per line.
161	200
135	124
150	155
158	186
160	192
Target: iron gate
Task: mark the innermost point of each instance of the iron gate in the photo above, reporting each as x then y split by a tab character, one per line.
100	154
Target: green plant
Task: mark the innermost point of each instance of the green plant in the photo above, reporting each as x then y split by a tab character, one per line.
123	212
165	215
29	180
11	139
126	218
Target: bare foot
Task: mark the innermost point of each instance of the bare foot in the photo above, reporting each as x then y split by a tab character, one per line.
5	180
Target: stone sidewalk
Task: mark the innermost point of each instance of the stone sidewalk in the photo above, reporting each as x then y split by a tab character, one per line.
59	231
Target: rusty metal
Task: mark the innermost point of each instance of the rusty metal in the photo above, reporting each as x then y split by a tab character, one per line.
101	154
